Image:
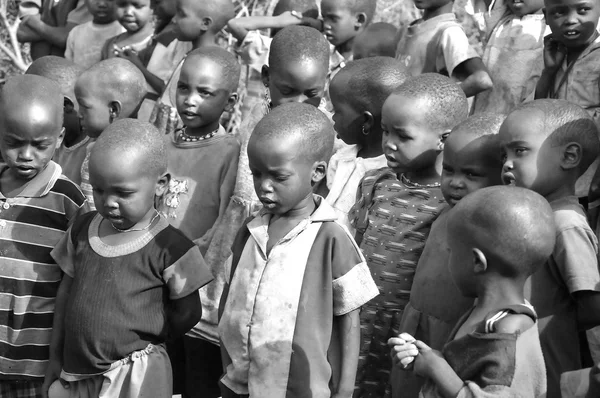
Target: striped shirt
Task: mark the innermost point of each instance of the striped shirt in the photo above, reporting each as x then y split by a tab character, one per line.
31	223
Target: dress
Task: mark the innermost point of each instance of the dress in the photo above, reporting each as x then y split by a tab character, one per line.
394	220
277	322
436	45
84	43
572	267
71	159
494	364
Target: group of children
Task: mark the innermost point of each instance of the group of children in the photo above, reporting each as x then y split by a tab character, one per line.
408	222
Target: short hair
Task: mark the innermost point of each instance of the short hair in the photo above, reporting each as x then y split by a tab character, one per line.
480	124
366	6
61	70
297	44
302	122
371	81
117	79
308	8
447	102
220	11
380	38
132	137
227	62
513	226
35	92
565	122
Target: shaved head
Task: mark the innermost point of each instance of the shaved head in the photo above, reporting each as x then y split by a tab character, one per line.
378	39
58	69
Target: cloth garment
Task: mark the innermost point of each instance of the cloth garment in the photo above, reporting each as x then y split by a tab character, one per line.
203	175
436	45
84	43
111	48
118	295
201	375
344	172
495	364
573	267
392	220
275	328
435	305
514	58
31	223
80	14
85	185
71	159
20	389
143	373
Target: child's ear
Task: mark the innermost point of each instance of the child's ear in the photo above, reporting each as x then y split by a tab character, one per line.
319	171
231	101
361	20
114	110
60	138
443	136
571	156
69	105
479	261
206	23
162	184
264	74
368	122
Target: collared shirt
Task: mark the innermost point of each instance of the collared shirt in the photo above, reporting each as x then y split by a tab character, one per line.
31	224
277	322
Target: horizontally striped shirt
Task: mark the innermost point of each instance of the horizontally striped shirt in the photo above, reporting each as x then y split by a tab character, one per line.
31	223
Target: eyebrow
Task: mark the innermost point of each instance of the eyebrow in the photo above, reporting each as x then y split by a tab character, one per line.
18	138
513	144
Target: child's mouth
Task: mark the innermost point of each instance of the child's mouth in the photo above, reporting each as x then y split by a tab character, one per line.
571	34
508	179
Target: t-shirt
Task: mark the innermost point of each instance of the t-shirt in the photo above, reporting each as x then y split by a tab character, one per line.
31	224
85	42
573	267
278	313
71	159
118	295
436	45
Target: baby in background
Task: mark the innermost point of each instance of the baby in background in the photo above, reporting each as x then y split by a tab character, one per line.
377	40
395	209
130	279
71	153
136	17
85	41
547	145
494	349
289	314
357	93
471	161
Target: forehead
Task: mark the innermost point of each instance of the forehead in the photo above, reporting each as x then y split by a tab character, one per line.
336	6
404	108
568	3
466	148
32	121
205	69
307	73
118	165
526	124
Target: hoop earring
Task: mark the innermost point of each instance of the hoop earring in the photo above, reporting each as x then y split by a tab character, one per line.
364	131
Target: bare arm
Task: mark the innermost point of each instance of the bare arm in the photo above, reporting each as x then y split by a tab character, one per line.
239	27
154	81
554	55
474	76
588	309
25	34
349	333
57	35
184	313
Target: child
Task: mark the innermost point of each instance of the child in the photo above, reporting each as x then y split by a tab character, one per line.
358	92
437	43
471	162
197	22
38	204
296	73
289	315
377	40
71	153
136	17
571	58
253	47
130	279
396	207
513	57
110	90
203	161
85	41
547	145
494	349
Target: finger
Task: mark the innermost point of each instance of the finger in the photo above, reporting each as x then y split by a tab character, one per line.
406	362
406	348
396	341
407	337
421	346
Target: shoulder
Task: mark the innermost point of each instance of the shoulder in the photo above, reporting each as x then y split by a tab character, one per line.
173	241
81	223
230	144
67	188
569	215
514	323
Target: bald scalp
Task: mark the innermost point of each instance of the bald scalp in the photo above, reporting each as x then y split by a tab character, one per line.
116	79
368	7
32	100
308	8
512	226
225	60
297	45
59	69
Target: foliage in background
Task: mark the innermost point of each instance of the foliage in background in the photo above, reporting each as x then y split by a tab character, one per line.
14	57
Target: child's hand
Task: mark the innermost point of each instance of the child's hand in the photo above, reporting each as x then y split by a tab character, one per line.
427	360
131	55
290	18
52	374
403	350
313	23
554	53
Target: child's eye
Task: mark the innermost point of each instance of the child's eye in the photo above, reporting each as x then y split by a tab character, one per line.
447	169
520	151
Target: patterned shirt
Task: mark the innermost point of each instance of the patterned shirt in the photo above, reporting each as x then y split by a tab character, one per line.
31	224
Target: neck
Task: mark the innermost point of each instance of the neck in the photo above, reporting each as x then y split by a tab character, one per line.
562	191
502	292
435	12
101	22
145	31
372	146
428	175
204	40
345	48
301	211
203	130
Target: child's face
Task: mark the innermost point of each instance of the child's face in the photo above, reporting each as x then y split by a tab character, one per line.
103	11
347	121
525	7
469	164
430	4
409	143
94	112
133	14
29	135
187	22
339	21
573	22
530	159
282	179
123	190
202	93
300	82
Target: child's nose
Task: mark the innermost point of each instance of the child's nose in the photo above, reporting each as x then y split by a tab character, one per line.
456	183
26	153
508	165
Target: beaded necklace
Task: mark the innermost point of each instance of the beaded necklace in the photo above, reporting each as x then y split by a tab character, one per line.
411	184
192	138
